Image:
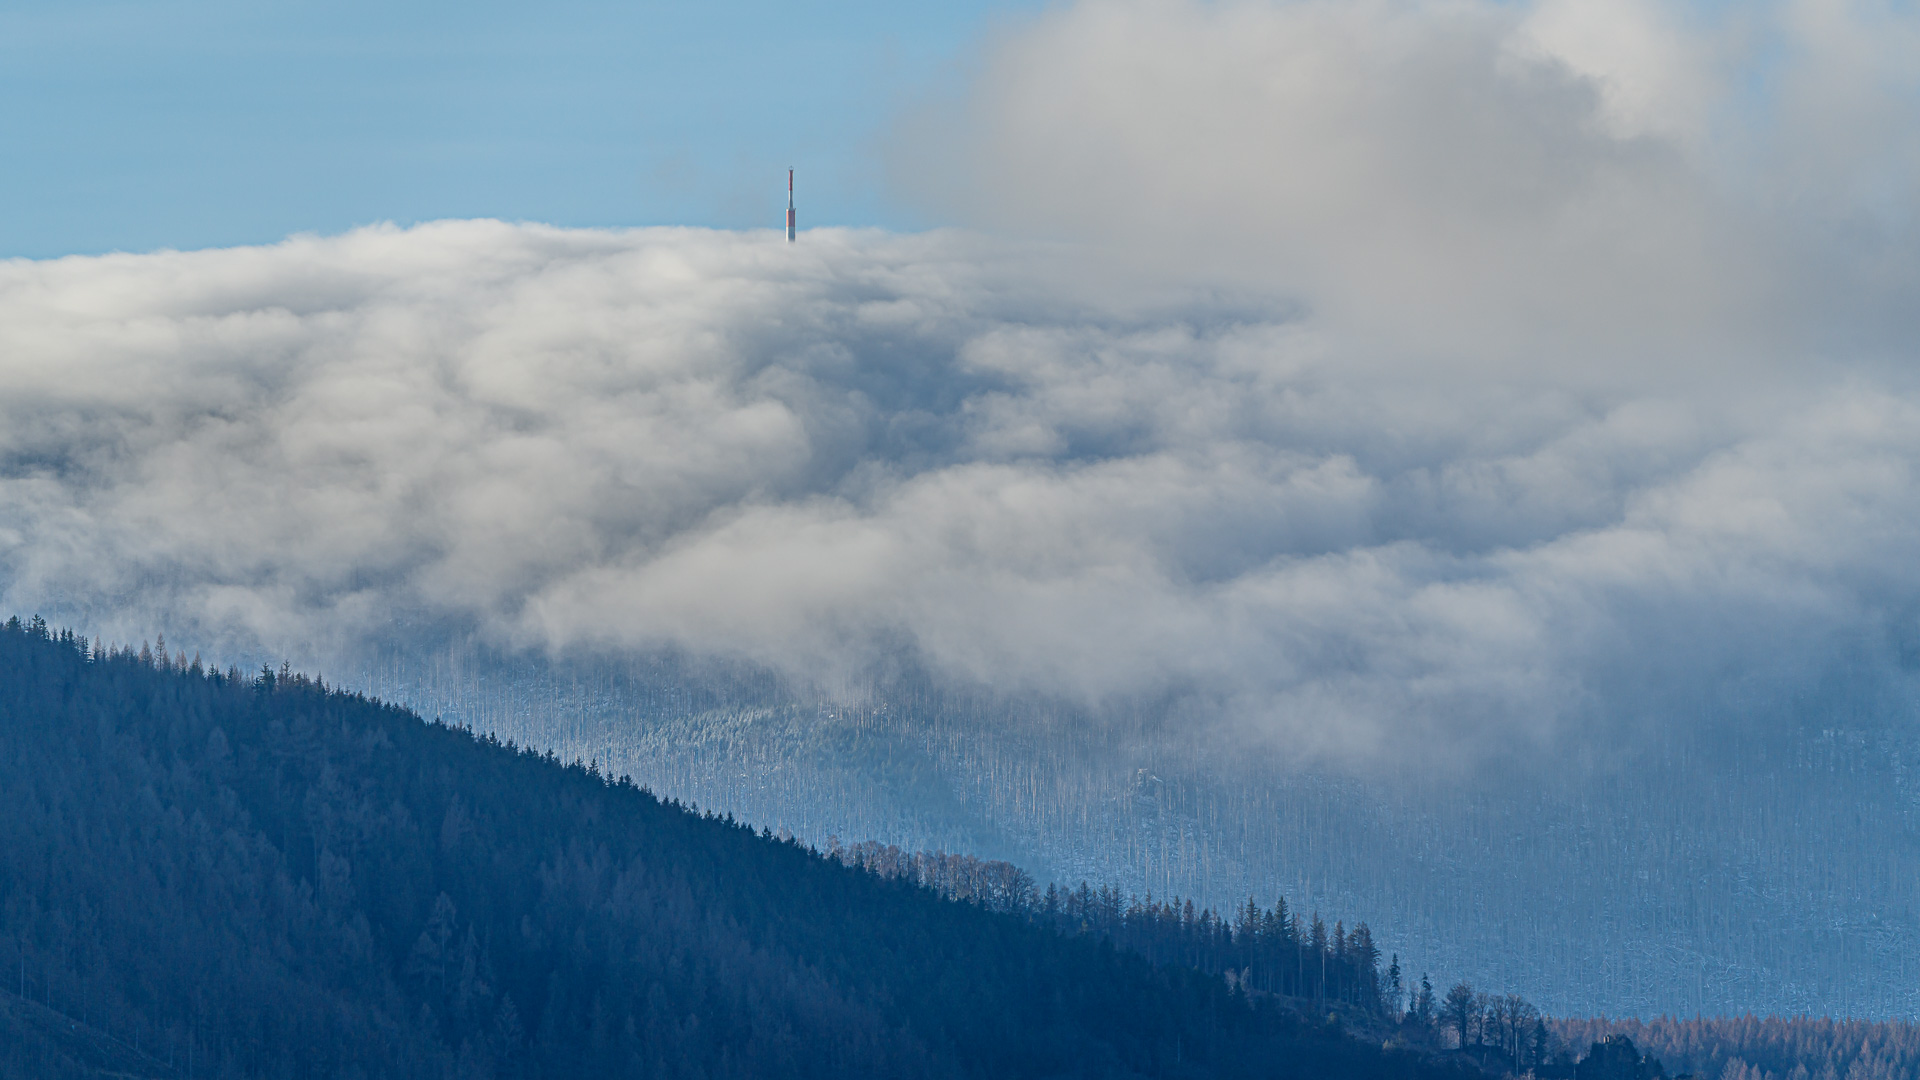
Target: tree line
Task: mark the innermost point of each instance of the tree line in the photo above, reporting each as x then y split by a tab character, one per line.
1271	950
1767	1048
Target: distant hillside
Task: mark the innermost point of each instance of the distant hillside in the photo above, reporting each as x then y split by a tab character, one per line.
1766	1048
214	876
1700	849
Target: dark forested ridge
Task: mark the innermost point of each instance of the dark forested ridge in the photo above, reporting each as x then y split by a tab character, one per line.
1263	950
206	875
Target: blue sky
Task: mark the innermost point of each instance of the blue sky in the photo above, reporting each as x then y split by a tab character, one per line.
194	123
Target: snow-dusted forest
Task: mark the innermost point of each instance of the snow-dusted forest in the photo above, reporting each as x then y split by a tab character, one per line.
1704	872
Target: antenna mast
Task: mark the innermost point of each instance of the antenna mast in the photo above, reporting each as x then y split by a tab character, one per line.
789	206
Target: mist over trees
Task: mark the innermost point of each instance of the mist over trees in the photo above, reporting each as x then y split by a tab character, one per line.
218	874
1669	832
732	452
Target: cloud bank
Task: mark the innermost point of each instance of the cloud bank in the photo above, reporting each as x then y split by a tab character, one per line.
1402	379
1029	476
1625	183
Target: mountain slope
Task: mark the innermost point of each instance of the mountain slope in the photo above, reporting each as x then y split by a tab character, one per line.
260	877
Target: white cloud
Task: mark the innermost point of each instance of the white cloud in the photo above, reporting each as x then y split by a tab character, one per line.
1607	189
1424	376
1041	477
1654	75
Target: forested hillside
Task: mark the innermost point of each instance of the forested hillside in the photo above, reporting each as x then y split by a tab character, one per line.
1694	845
210	875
